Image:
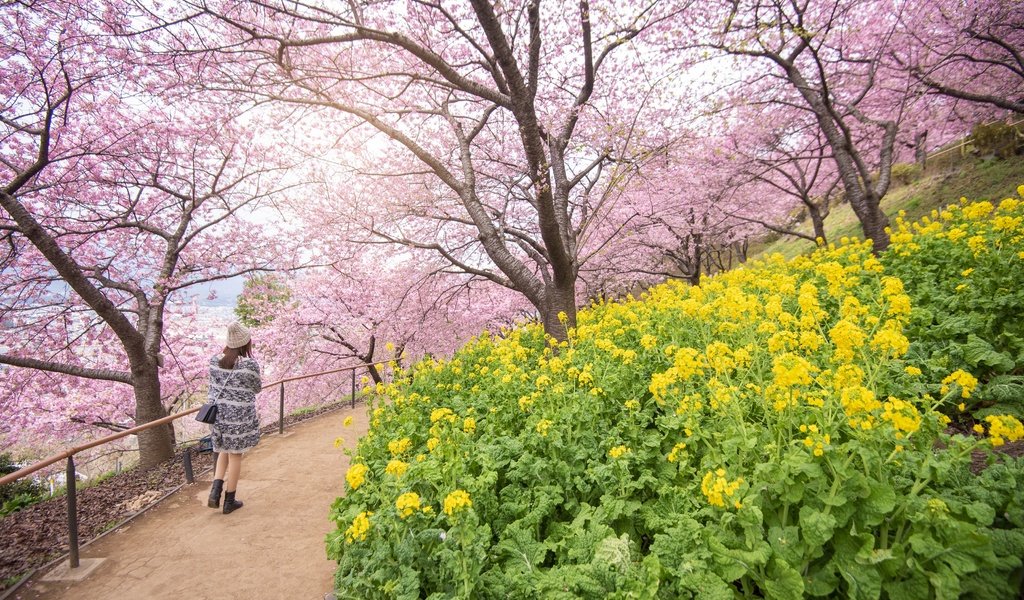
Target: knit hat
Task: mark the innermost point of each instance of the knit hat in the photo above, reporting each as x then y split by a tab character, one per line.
238	335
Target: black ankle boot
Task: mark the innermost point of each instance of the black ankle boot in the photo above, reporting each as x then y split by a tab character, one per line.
230	504
218	486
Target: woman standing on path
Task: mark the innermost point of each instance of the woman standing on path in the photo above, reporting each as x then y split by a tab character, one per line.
234	383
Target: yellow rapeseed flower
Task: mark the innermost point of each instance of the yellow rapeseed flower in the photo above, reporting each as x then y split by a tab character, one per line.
673	456
359	528
456	502
407	504
847	338
397	447
717	487
1003	428
356	475
396	468
618	451
965	380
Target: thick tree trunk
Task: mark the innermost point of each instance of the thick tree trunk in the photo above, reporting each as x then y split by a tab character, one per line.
155	445
872	220
558	299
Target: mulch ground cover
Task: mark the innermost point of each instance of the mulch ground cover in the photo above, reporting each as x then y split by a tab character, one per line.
38	534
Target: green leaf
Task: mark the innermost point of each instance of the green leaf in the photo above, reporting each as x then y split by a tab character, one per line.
785	542
915	588
523	552
880	502
816	526
822	581
784	582
979	352
865	583
982	513
706	586
613	553
925	545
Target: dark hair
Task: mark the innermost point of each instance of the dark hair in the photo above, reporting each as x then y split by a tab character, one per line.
231	355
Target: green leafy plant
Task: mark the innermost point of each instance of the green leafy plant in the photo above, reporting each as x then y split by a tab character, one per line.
19	494
963	268
772	433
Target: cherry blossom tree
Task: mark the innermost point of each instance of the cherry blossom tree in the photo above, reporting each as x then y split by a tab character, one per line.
113	202
357	311
790	163
825	59
501	123
970	51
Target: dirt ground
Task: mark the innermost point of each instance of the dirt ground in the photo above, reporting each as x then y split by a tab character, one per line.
272	548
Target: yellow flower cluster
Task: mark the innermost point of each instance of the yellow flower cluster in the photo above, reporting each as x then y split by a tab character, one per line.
903	415
815	441
848	338
442	413
717	488
399	447
456	502
860	405
407	504
965	380
1003	428
396	468
791	370
543	426
356	475
674	455
618	451
359	528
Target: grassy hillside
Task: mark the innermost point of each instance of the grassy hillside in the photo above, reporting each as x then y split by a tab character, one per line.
980	180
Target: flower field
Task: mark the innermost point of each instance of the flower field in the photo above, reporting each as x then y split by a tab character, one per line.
781	431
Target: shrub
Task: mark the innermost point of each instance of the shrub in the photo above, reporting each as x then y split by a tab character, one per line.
19	494
766	434
905	174
997	138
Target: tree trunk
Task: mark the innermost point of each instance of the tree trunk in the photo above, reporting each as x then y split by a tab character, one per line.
872	220
817	221
558	299
694	276
920	151
155	445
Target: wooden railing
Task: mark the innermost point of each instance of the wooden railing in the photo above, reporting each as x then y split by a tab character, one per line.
69	454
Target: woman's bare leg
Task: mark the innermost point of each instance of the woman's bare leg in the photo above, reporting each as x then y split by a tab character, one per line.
221	466
234	468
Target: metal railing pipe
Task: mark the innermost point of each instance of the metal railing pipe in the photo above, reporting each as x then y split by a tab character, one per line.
280	412
72	495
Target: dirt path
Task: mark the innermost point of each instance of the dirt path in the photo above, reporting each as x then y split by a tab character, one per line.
273	548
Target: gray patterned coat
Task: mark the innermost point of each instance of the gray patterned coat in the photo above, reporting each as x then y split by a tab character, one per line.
234	390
